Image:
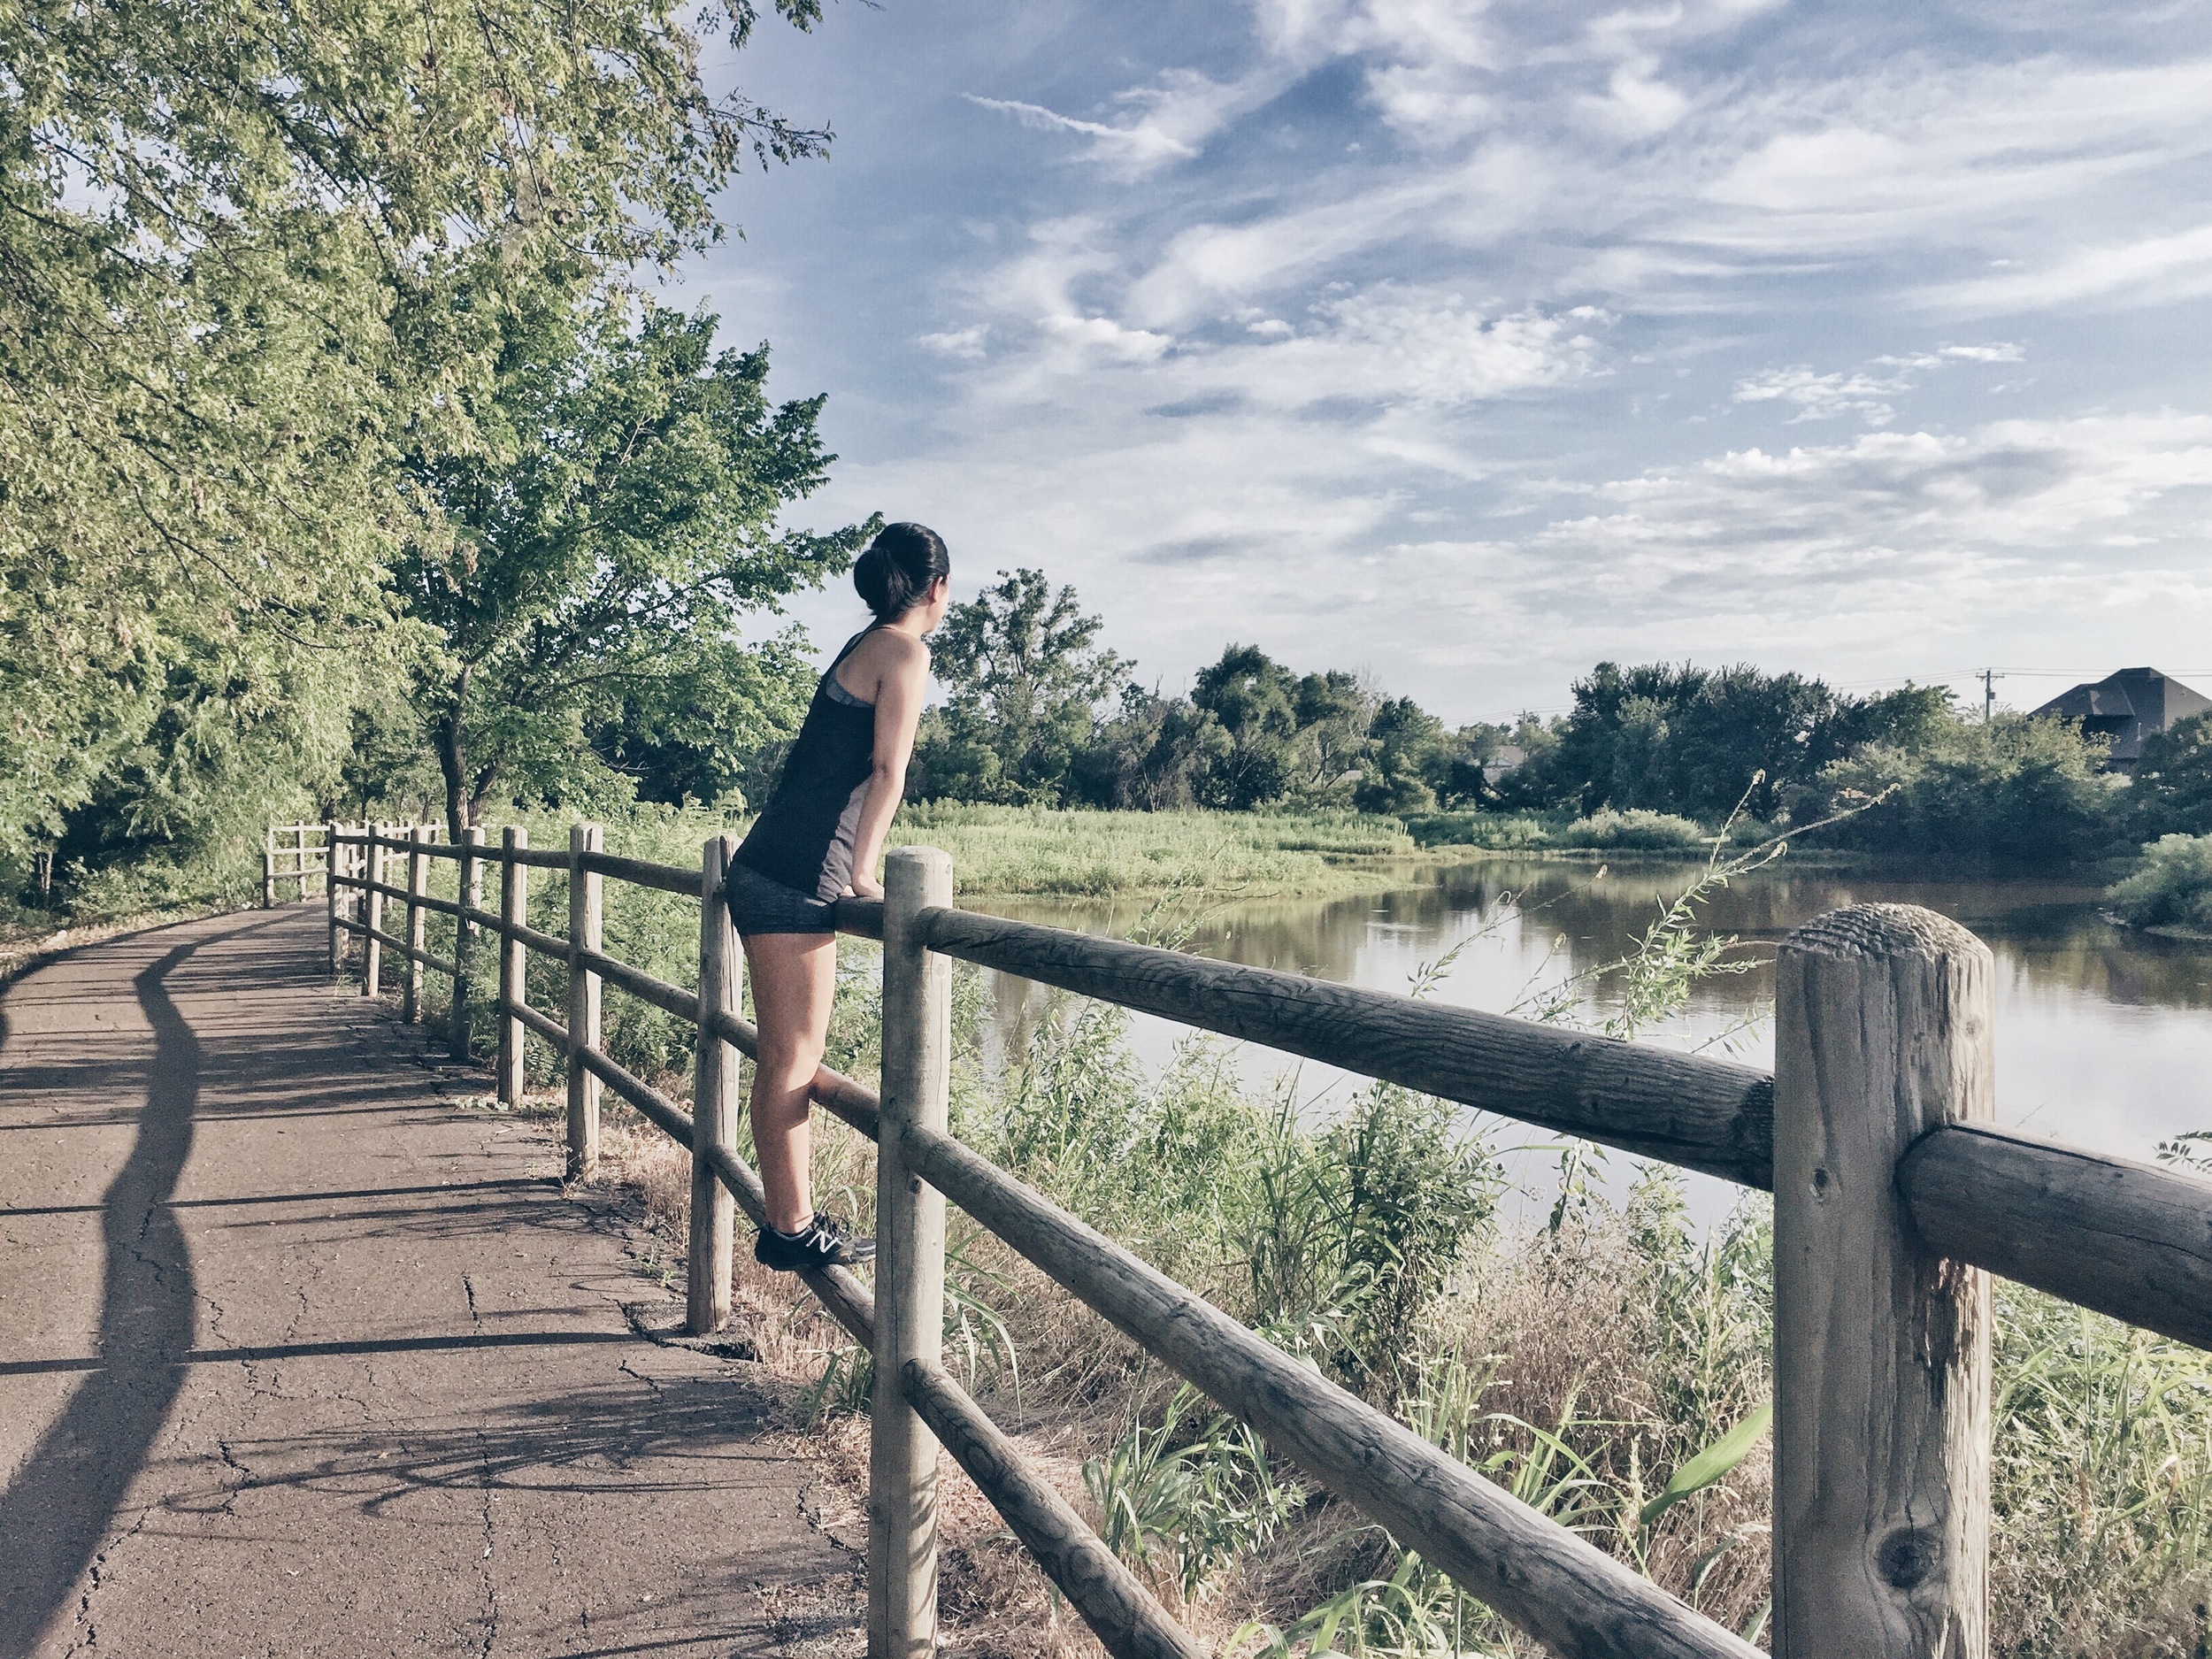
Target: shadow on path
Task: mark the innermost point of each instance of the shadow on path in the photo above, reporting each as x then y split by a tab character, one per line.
56	1512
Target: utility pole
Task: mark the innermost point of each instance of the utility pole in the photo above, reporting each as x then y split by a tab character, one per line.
1989	678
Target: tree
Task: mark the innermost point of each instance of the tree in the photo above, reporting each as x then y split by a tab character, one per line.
2008	791
1409	746
596	558
1254	699
249	254
1027	677
2172	793
1335	715
1152	755
1700	743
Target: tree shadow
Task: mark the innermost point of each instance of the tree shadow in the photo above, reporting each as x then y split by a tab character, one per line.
55	1512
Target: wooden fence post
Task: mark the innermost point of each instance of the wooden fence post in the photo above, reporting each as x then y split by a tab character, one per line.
714	1098
372	909
514	909
417	884
584	888
330	888
268	870
1883	1031
466	882
910	1263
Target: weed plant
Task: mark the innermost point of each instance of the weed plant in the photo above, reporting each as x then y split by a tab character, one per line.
1610	1365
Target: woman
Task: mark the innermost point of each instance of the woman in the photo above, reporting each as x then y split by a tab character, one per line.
817	839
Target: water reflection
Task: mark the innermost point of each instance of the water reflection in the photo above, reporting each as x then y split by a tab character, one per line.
2103	1033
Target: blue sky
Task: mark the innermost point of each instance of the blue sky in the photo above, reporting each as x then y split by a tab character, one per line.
1466	344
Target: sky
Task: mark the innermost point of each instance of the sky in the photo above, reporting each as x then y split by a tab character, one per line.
1468	344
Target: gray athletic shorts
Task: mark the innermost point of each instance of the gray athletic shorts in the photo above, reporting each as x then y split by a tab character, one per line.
758	905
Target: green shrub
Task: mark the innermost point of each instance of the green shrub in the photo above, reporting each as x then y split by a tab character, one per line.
2012	790
1636	830
2173	887
1497	831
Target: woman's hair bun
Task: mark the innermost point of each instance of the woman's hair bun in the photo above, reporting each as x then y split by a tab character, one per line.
900	567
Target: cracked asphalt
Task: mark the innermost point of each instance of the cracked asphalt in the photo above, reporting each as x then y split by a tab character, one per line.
297	1358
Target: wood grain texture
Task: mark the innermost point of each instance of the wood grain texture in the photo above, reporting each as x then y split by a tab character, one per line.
469	895
418	884
1128	1621
1701	1114
443	907
584	900
714	1100
1883	1031
910	1262
372	937
514	904
1547	1581
2134	1240
397	946
640	873
550	1029
546	944
331	877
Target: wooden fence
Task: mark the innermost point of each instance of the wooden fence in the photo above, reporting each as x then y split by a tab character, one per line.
288	856
1895	1196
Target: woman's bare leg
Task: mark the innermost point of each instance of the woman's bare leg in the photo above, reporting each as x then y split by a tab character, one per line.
793	978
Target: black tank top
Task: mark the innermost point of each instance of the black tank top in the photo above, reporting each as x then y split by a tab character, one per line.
804	837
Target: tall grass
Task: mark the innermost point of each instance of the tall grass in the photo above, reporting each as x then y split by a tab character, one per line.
1610	1364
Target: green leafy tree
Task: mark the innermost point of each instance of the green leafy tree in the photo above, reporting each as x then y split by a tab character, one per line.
1410	747
2172	793
248	256
1028	677
596	558
1335	716
1254	700
2012	790
1152	756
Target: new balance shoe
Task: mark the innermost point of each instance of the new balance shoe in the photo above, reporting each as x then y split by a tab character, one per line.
823	1242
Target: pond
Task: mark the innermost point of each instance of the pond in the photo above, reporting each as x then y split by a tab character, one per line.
2104	1035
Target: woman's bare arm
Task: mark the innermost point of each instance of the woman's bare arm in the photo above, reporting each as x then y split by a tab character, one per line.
899	692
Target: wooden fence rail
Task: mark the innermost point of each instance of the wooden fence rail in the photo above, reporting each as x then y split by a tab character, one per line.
1894	1197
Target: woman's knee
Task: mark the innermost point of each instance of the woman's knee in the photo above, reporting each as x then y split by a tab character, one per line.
789	1065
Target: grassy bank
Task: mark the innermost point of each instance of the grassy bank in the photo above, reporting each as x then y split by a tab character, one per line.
1582	1361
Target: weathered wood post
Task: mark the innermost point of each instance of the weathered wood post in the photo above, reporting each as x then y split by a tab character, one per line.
1883	1031
714	1098
514	911
468	892
910	1263
268	870
331	867
418	884
373	911
584	892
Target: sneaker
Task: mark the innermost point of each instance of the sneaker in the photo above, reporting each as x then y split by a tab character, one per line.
822	1242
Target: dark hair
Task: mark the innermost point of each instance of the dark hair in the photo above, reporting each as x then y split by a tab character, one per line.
900	567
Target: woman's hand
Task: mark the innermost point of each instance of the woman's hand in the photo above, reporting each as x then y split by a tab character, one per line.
865	887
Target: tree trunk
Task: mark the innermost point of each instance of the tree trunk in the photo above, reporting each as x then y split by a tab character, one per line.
452	764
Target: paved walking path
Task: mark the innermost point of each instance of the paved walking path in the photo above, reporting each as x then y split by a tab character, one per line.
298	1358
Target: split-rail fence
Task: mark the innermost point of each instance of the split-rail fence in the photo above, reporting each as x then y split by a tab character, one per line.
1895	1198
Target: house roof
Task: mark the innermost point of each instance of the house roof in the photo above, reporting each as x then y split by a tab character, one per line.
2128	706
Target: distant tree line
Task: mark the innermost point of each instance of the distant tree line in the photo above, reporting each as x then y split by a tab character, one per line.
1041	712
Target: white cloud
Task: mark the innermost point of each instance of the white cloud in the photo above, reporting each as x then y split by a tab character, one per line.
2150	270
965	343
